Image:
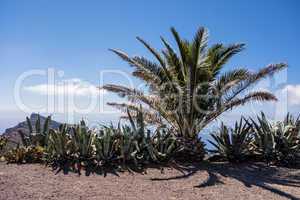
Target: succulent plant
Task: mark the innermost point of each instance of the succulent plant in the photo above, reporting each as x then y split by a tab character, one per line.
38	134
129	146
33	144
276	142
83	143
59	151
165	145
232	144
106	146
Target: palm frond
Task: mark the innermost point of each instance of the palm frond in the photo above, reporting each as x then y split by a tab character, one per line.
256	77
254	96
183	46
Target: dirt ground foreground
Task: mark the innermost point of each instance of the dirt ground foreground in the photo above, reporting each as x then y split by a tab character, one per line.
209	181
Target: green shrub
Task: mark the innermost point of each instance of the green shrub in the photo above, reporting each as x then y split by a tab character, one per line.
233	144
38	134
59	151
278	142
159	147
165	146
82	141
32	147
106	145
22	155
111	147
129	146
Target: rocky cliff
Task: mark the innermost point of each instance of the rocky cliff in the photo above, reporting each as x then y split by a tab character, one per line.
13	135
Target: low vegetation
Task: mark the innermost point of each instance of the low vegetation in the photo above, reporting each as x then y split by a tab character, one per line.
277	142
78	147
233	144
132	146
259	140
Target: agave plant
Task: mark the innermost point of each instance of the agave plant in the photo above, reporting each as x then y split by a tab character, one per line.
83	141
276	142
106	146
129	146
142	137
159	147
187	89
38	134
33	144
60	149
290	120
165	146
287	143
233	144
264	138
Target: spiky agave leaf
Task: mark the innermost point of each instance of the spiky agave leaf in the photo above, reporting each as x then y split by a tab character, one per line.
129	147
29	125
83	139
24	138
46	125
37	136
164	145
60	146
38	125
149	116
264	137
106	146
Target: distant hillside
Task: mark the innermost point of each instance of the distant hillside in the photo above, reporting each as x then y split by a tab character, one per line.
13	135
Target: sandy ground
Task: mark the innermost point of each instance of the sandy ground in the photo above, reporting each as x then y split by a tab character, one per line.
208	181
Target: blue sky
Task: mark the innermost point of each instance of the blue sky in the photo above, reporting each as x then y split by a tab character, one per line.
73	37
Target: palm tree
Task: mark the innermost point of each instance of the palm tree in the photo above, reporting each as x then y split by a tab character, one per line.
187	90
